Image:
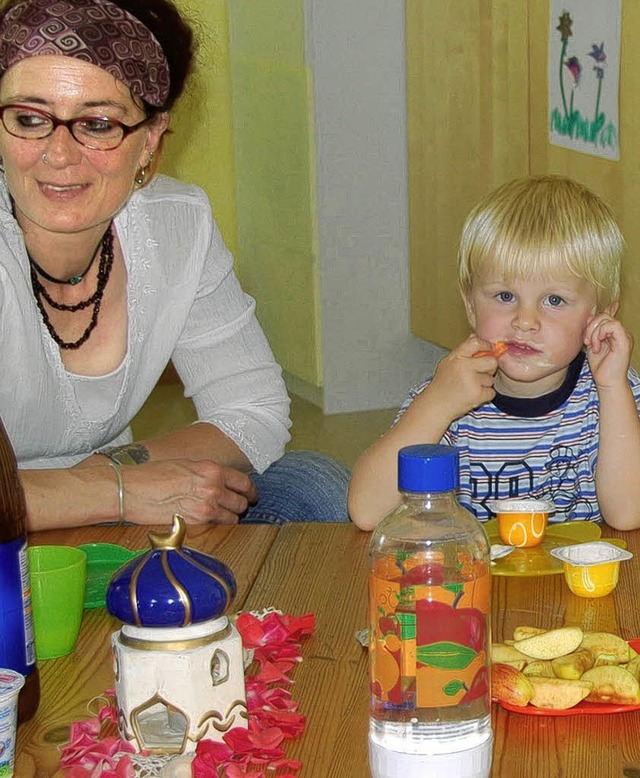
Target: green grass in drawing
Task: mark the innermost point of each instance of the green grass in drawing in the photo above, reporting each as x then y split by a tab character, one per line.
574	125
569	121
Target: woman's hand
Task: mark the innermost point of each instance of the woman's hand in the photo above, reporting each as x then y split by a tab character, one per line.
200	491
609	346
463	380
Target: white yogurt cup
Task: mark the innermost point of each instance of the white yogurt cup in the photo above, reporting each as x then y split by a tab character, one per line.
10	685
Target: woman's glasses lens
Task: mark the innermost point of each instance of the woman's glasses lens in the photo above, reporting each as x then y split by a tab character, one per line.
93	132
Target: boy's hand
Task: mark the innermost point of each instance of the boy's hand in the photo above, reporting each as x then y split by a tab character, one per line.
609	346
464	379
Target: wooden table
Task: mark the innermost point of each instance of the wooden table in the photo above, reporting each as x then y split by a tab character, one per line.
322	568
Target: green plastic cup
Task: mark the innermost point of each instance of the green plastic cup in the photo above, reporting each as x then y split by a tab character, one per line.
58	579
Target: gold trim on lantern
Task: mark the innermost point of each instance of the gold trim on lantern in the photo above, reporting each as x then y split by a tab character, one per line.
133	583
222	723
173	645
157	699
183	594
211	574
169	540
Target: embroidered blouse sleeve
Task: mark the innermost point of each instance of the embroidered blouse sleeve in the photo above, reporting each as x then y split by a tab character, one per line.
226	364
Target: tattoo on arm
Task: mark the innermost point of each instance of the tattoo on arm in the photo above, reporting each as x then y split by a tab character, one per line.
129	454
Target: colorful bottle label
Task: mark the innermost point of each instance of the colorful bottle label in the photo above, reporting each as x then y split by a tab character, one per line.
17	647
428	635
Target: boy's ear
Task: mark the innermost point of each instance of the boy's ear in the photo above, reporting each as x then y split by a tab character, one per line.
471	314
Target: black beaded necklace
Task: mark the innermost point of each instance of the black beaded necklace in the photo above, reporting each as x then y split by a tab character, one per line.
40	293
71	281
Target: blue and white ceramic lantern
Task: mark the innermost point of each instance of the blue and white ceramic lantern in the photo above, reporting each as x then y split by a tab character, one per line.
178	659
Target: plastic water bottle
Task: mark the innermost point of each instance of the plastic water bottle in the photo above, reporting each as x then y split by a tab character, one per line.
17	648
429	627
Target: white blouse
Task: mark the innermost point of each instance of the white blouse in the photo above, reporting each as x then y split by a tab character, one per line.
184	304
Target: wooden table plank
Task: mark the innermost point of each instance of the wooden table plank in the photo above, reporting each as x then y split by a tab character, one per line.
322	568
69	684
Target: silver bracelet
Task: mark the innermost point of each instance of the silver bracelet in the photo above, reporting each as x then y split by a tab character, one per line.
116	466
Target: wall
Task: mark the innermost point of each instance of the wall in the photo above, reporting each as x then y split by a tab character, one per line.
357	52
271	96
319	111
199	148
468	111
295	125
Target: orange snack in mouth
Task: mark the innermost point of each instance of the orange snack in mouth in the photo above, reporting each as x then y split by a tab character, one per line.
499	348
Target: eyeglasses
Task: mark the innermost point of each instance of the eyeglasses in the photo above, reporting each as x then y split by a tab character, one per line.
94	132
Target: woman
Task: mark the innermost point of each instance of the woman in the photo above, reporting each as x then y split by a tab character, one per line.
107	275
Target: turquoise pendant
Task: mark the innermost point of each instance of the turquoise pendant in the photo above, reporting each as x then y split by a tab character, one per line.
75	280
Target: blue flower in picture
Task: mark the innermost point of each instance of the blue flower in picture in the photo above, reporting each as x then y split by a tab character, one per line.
597	52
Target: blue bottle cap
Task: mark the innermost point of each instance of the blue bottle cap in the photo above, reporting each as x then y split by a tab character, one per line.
428	468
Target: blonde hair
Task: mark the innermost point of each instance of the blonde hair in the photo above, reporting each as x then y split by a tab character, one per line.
543	226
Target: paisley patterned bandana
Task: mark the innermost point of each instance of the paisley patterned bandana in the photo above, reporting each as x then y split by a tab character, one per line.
96	31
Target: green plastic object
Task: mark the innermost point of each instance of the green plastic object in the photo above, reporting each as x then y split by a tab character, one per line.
58	576
103	559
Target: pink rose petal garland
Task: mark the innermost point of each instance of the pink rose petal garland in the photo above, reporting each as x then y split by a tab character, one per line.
95	751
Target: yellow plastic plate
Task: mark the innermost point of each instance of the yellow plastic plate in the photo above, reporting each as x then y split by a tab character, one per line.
538	560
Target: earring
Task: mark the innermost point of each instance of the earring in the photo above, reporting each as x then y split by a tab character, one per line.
45	159
141	175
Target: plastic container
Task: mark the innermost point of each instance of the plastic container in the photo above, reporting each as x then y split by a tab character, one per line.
522	523
58	581
429	628
103	559
17	647
591	569
10	685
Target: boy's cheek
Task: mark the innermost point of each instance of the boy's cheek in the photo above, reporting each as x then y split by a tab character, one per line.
587	323
471	312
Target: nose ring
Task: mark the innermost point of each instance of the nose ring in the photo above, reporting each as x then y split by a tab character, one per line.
45	158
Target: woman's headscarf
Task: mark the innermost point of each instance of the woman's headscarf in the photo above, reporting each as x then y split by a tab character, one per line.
96	31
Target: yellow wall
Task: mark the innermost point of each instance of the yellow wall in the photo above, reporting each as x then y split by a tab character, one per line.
467	92
244	132
478	94
200	147
274	162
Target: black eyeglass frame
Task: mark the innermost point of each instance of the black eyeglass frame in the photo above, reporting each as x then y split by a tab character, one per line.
56	122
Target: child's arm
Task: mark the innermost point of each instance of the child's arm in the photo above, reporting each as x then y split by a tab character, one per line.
461	383
609	348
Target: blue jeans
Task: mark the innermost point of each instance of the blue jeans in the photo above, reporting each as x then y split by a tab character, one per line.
301	486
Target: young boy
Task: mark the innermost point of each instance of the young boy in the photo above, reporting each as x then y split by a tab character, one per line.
555	416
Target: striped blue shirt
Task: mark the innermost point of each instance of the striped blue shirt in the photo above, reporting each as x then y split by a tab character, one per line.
544	447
